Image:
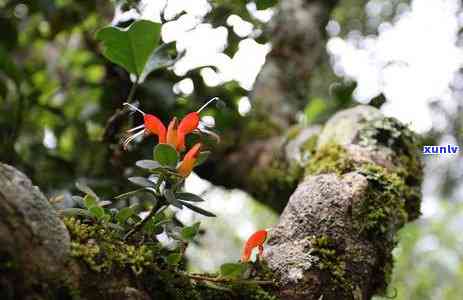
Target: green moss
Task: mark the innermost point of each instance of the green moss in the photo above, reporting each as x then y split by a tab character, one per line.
293	132
310	145
384	203
382	212
390	133
392	197
332	261
108	257
406	145
103	250
330	158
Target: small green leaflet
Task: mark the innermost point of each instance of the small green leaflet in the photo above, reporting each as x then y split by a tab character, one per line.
124	214
188	197
170	197
141	181
232	270
160	58
90	201
147	164
174	259
76	212
197	209
85	189
202	157
166	155
264	4
97	212
189	233
130	47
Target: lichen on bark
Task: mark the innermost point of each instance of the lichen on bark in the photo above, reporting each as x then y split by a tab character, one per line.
336	235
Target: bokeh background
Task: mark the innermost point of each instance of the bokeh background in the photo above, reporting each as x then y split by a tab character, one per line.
58	93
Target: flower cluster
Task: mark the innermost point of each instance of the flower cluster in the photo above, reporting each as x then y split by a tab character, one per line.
174	135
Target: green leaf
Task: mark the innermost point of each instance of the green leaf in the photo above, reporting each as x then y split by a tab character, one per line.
202	157
76	212
97	212
147	164
90	201
170	197
160	58
198	209
189	197
153	227
124	214
104	203
233	270
141	181
85	189
264	4
174	259
78	200
189	233
129	193
166	155
132	46
315	109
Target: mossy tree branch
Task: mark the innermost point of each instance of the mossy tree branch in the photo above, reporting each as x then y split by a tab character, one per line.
334	240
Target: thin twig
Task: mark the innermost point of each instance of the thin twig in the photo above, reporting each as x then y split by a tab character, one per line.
140	224
226	280
132	90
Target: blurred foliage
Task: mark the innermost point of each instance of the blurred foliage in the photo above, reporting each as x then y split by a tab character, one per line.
60	98
429	261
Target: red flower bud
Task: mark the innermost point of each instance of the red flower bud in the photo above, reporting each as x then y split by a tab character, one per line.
189	160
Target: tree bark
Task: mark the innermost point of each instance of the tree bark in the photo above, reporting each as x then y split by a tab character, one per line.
297	34
334	239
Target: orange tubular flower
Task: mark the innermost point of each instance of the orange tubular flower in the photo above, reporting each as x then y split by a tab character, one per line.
189	123
189	160
172	133
154	126
257	239
151	125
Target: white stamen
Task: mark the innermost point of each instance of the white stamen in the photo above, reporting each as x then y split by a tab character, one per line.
134	108
131	138
136	128
211	133
207	103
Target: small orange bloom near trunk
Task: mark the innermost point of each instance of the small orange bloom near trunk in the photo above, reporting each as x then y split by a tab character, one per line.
257	239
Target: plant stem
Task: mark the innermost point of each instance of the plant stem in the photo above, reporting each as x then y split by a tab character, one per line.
226	280
132	90
140	224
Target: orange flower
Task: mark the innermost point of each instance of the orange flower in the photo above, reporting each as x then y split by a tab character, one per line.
174	135
189	160
257	239
189	123
154	126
